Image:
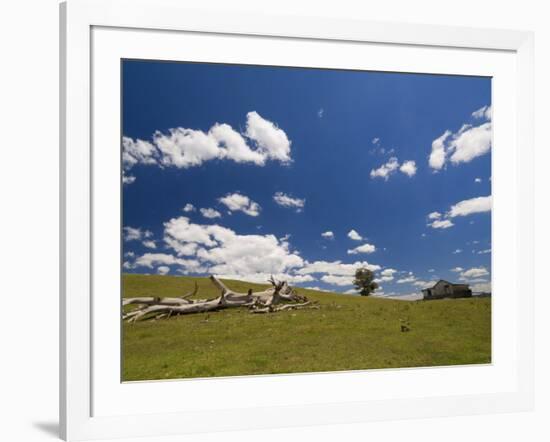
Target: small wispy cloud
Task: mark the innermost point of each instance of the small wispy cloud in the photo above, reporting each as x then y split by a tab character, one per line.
150	244
407	280
391	166
483	252
288	201
237	202
467	207
365	248
210	213
136	234
441	224
474	272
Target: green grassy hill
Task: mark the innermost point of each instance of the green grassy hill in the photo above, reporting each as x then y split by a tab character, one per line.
347	333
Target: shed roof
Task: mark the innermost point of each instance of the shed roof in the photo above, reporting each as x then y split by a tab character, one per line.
446	282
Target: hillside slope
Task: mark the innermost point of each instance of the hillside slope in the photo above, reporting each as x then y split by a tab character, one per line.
347	333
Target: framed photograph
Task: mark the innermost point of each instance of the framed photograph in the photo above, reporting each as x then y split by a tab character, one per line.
288	221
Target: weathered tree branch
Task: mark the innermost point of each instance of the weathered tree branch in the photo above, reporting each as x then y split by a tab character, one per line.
153	300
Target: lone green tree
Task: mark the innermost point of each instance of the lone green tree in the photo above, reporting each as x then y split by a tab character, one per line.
364	281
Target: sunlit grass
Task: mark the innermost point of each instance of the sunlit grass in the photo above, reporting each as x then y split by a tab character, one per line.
347	333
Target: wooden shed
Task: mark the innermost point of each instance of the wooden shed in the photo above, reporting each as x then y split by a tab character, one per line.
445	289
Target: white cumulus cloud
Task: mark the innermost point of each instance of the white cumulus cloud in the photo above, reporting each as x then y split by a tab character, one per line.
407	279
136	234
210	213
127	179
338	280
469	142
189	208
138	151
364	248
471	206
352	234
463	208
272	142
474	272
316	288
263	278
233	146
386	275
237	202
484	113
408	168
385	170
441	224
437	156
163	270
328	234
151	260
222	251
391	166
184	147
335	267
150	244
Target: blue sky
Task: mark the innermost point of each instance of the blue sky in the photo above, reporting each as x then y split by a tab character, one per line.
245	171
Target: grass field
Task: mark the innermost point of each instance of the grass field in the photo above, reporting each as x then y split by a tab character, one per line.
347	333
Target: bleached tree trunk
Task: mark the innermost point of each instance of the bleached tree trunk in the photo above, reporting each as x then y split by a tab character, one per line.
152	300
198	307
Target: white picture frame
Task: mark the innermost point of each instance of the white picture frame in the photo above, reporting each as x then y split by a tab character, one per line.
80	378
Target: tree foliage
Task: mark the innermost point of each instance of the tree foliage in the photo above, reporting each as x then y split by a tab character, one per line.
364	281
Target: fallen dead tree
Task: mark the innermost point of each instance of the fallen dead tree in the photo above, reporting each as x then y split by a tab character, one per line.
152	300
279	297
